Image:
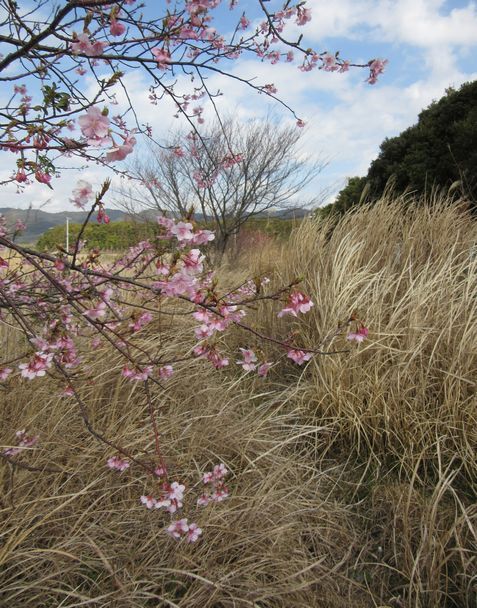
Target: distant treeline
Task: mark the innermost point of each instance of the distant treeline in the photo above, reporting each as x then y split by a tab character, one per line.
113	236
118	236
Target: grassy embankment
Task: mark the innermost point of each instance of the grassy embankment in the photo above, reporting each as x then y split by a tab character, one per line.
354	480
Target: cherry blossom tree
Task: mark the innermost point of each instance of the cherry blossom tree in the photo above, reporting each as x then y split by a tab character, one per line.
66	303
232	173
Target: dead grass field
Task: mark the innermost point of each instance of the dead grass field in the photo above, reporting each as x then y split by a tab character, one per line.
353	481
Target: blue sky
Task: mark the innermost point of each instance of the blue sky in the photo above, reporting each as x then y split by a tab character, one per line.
430	45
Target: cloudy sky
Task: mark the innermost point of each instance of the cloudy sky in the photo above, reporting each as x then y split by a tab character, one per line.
430	45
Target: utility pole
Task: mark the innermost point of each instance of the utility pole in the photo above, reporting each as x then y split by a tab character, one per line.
68	234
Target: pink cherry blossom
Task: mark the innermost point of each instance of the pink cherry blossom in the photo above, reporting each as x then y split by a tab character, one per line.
85	46
297	302
329	63
215	479
174	494
220	471
182	231
23	441
178	528
141	321
264	368
26	441
148	501
162	56
202	237
165	222
37	366
166	372
303	15
203	500
21	176
68	391
219	495
299	356
359	335
376	67
193	260
95	127
135	374
121	151
97	312
102	217
164	503
249	360
82	193
116	28
162	268
208	477
244	22
4	373
82	44
118	464
42	177
193	533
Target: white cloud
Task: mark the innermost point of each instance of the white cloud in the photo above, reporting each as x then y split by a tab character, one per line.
347	119
422	23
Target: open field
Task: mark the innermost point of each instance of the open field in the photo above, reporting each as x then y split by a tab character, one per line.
354	479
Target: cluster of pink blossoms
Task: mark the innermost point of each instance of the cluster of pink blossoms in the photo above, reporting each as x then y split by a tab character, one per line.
297	302
95	127
249	363
171	499
84	45
181	528
376	67
359	335
118	464
37	366
211	323
215	480
23	441
299	356
184	232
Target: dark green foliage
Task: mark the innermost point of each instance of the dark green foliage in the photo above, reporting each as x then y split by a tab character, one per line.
115	236
351	195
440	151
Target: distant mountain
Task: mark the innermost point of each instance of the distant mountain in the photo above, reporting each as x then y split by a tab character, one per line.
285	213
38	221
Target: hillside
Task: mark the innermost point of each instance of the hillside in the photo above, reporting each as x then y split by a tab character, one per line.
38	221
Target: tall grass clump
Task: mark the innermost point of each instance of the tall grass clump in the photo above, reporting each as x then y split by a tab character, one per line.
400	408
353	479
80	537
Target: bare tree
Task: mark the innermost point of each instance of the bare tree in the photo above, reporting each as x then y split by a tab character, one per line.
233	172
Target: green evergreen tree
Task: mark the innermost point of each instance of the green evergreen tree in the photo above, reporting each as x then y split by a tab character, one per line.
440	151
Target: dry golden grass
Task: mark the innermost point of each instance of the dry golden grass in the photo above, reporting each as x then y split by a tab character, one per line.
354	480
401	408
